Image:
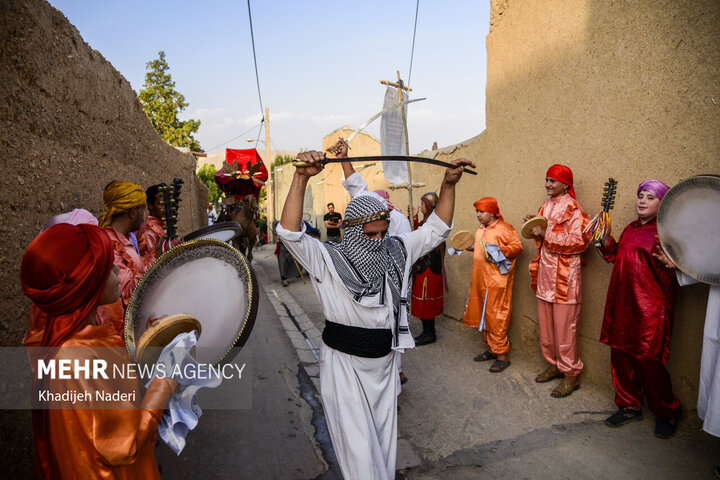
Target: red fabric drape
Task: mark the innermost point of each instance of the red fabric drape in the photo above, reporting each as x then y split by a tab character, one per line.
245	160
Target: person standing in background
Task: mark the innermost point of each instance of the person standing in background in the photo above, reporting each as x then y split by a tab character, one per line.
332	223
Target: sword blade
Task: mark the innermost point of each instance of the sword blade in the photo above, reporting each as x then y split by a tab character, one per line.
379	114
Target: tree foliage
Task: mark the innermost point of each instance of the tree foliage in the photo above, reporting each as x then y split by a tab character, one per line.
206	174
281	160
162	104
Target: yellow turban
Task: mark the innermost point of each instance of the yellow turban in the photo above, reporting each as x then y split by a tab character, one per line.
120	197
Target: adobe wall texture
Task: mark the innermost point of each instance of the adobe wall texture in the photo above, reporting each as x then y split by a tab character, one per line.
629	90
70	124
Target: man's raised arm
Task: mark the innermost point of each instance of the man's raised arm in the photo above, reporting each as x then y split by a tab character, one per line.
291	217
446	201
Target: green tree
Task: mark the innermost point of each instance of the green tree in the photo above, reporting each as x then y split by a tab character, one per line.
162	104
206	174
281	160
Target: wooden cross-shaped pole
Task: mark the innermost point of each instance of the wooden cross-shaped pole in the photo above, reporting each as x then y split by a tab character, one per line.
400	86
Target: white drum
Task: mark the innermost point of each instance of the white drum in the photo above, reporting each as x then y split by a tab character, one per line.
688	224
206	279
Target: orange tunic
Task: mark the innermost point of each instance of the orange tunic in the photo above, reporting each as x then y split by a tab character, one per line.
555	271
99	443
152	230
486	278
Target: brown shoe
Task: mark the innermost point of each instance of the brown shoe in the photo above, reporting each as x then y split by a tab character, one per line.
563	390
548	375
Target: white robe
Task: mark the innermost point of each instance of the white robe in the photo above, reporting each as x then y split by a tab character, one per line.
360	394
708	405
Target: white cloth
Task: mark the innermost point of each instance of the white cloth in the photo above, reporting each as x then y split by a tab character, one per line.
708	405
356	185
392	137
182	412
360	394
497	257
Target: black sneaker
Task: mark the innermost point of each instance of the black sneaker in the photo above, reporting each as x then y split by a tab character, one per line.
623	416
665	428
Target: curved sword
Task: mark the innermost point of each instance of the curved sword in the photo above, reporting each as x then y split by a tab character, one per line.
379	114
385	158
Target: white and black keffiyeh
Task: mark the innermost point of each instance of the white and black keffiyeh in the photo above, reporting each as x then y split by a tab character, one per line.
364	264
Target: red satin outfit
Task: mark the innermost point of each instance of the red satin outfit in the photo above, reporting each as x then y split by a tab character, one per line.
638	321
427	289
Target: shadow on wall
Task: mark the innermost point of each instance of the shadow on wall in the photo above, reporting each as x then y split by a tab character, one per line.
620	90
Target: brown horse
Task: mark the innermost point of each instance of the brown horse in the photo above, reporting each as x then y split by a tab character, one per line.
244	213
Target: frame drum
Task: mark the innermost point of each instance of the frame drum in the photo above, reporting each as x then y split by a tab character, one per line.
207	279
223	231
688	224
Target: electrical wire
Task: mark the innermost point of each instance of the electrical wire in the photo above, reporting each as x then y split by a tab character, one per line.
257	77
412	52
234	138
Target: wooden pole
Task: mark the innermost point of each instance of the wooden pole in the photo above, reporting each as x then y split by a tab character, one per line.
400	86
269	191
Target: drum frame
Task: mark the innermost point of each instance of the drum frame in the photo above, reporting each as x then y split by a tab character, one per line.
252	291
677	189
213	228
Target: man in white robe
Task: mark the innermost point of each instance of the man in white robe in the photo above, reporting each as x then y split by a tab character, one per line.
708	405
363	285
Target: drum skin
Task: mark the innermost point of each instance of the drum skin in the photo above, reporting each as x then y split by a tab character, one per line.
688	225
223	231
207	279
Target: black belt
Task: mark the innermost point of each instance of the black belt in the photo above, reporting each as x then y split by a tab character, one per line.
361	342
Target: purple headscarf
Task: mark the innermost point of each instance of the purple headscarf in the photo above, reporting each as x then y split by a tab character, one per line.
656	187
76	217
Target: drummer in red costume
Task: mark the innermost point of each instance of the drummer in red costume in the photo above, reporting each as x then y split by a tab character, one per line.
491	284
124	212
427	288
555	278
153	229
67	271
638	318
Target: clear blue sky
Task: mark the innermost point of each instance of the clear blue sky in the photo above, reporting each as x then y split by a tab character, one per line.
319	62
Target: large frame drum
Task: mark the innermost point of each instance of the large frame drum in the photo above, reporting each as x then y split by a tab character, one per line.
688	225
207	279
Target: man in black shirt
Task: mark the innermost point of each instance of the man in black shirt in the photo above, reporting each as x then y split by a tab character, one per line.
332	223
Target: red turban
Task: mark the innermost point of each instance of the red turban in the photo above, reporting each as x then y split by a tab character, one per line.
64	271
563	174
488	204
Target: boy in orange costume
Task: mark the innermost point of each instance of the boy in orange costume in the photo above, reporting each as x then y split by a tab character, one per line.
490	289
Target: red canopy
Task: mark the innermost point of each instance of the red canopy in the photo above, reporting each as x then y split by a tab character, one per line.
243	173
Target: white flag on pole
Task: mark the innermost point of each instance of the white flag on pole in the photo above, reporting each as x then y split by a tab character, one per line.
392	138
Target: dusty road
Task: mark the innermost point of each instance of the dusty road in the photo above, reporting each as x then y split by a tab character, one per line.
456	420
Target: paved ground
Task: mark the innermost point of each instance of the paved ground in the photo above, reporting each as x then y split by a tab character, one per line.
459	421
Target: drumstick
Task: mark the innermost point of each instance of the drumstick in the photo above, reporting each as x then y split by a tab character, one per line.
298	269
